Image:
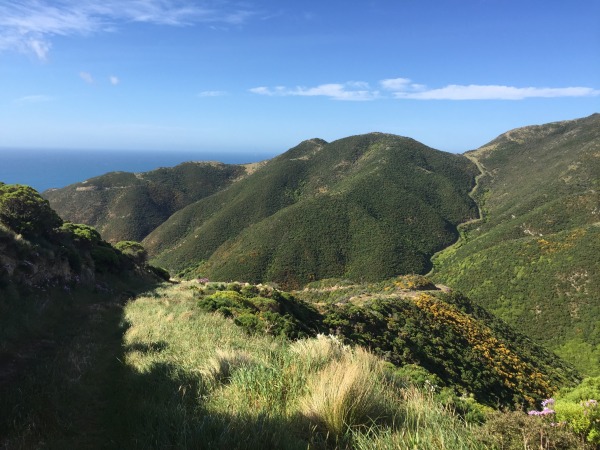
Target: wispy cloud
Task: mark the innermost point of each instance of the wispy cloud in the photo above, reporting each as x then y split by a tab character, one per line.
212	93
87	77
30	25
34	99
114	80
403	88
357	91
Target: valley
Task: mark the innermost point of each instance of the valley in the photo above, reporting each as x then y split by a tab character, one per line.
370	292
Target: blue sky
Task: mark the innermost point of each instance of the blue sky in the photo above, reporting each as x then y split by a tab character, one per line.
264	75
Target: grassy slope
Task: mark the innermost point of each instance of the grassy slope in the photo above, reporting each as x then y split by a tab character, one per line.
127	206
164	373
534	259
367	206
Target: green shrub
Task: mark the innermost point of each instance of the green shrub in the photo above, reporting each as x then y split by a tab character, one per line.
133	250
579	409
271	312
82	233
517	431
105	259
23	210
160	272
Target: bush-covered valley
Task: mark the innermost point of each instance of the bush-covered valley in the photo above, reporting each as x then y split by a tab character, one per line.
320	329
533	259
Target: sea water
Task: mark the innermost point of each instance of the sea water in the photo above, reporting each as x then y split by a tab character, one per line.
45	169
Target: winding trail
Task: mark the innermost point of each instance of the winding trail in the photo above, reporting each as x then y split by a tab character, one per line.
461	226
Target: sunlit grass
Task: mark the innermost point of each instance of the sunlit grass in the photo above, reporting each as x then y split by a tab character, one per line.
234	390
164	373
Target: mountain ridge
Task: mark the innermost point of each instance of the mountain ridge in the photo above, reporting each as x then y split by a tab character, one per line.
326	178
532	259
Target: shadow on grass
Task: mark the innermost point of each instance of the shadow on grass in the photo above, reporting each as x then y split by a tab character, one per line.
164	408
82	394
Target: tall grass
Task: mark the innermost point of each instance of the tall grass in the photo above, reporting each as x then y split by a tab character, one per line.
348	393
226	389
167	374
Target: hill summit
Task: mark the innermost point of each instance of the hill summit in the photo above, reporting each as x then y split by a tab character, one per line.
365	207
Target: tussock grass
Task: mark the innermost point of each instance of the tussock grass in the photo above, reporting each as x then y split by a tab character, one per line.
176	376
425	424
348	393
311	393
221	366
320	350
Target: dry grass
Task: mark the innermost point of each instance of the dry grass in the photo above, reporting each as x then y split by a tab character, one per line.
320	350
347	393
220	367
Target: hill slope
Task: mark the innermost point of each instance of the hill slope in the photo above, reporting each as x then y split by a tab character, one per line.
533	260
170	373
50	273
367	207
127	206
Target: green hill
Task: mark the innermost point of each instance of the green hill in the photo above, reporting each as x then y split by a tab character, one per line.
366	207
127	206
534	260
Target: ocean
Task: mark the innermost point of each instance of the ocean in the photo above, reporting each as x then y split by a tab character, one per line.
45	169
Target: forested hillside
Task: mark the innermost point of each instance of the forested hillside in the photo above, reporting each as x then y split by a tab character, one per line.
366	207
366	360
534	260
127	206
374	206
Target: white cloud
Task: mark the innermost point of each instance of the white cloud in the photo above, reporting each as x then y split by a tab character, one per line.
395	84
495	92
114	80
404	88
30	25
87	77
349	91
35	99
212	94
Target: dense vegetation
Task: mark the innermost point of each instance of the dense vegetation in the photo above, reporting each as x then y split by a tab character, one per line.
47	265
407	321
367	207
167	373
533	260
127	206
201	364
